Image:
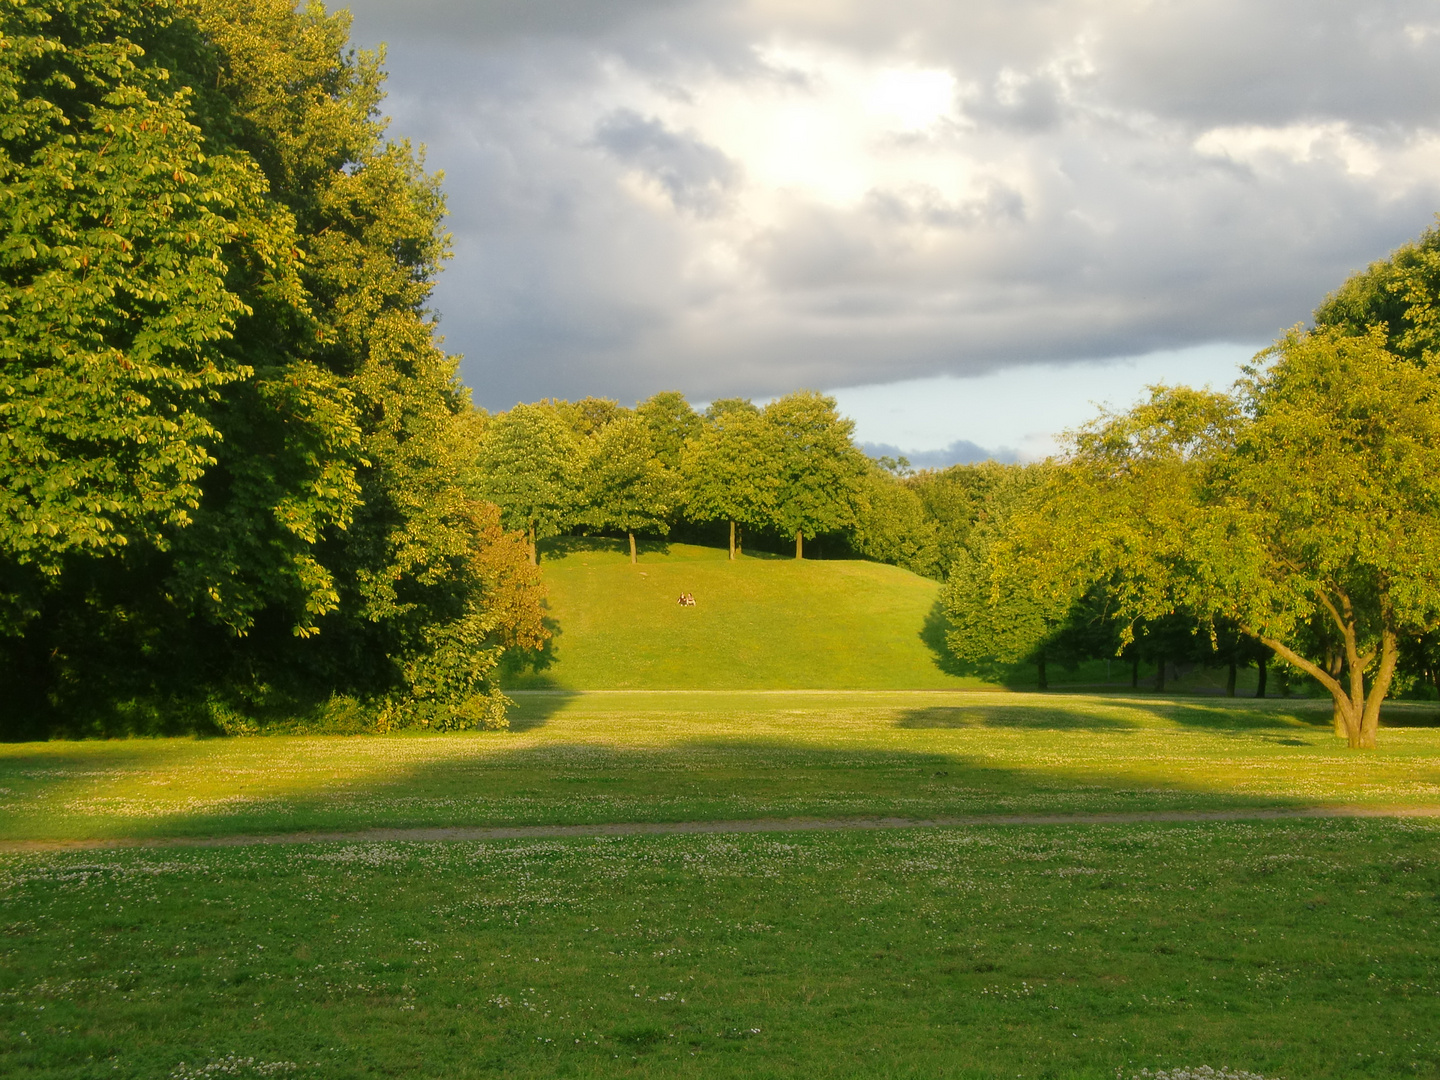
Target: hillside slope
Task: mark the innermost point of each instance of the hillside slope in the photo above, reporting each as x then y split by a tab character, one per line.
759	622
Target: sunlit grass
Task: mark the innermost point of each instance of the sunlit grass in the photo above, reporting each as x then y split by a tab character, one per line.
758	622
1303	950
578	758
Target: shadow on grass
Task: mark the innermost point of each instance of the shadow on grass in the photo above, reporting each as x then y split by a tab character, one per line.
485	782
1010	716
557	547
533	709
1127	714
1417	718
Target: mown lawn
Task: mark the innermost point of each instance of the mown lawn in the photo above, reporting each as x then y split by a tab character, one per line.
759	622
770	622
1300	949
582	758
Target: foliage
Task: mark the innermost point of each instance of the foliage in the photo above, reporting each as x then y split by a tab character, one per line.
1400	293
116	299
1304	510
531	468
818	469
994	616
728	470
954	499
671	422
247	332
626	485
588	416
891	525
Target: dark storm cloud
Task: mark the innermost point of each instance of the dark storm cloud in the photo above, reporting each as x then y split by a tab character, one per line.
1109	179
694	175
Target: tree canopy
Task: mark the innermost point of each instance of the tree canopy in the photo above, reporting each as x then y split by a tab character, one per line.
237	466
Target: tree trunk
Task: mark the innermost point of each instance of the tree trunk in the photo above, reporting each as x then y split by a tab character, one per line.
1359	710
799	545
1135	672
1160	675
534	551
1263	667
633	559
1335	664
1370	718
1230	679
732	539
1040	664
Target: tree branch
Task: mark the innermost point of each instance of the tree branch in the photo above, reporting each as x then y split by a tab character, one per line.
1316	672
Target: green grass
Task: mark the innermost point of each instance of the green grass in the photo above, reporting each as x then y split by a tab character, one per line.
1296	949
758	623
1302	949
634	756
767	622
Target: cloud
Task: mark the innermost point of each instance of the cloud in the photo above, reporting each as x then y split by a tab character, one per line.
694	175
732	197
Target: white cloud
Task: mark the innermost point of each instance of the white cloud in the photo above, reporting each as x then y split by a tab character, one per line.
745	196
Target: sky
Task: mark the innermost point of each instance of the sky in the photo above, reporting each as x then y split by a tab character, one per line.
973	223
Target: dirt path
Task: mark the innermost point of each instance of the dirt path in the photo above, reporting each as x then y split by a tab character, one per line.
759	825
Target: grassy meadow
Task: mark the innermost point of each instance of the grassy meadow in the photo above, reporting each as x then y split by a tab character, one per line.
1299	949
1304	950
767	622
655	756
761	622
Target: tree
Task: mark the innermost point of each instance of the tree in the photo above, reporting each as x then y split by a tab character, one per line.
1311	499
994	617
626	486
530	462
891	526
115	298
728	470
320	527
671	423
1400	293
818	468
588	416
955	499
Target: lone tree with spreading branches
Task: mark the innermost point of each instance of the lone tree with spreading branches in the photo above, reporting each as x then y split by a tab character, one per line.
1304	509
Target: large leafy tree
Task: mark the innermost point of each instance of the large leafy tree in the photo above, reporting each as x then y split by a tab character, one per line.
530	460
671	422
1305	510
626	486
728	470
993	617
118	300
275	457
891	525
817	467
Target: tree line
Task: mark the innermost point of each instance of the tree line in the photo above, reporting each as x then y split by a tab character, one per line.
788	472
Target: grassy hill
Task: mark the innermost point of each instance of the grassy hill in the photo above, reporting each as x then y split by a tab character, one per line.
763	621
